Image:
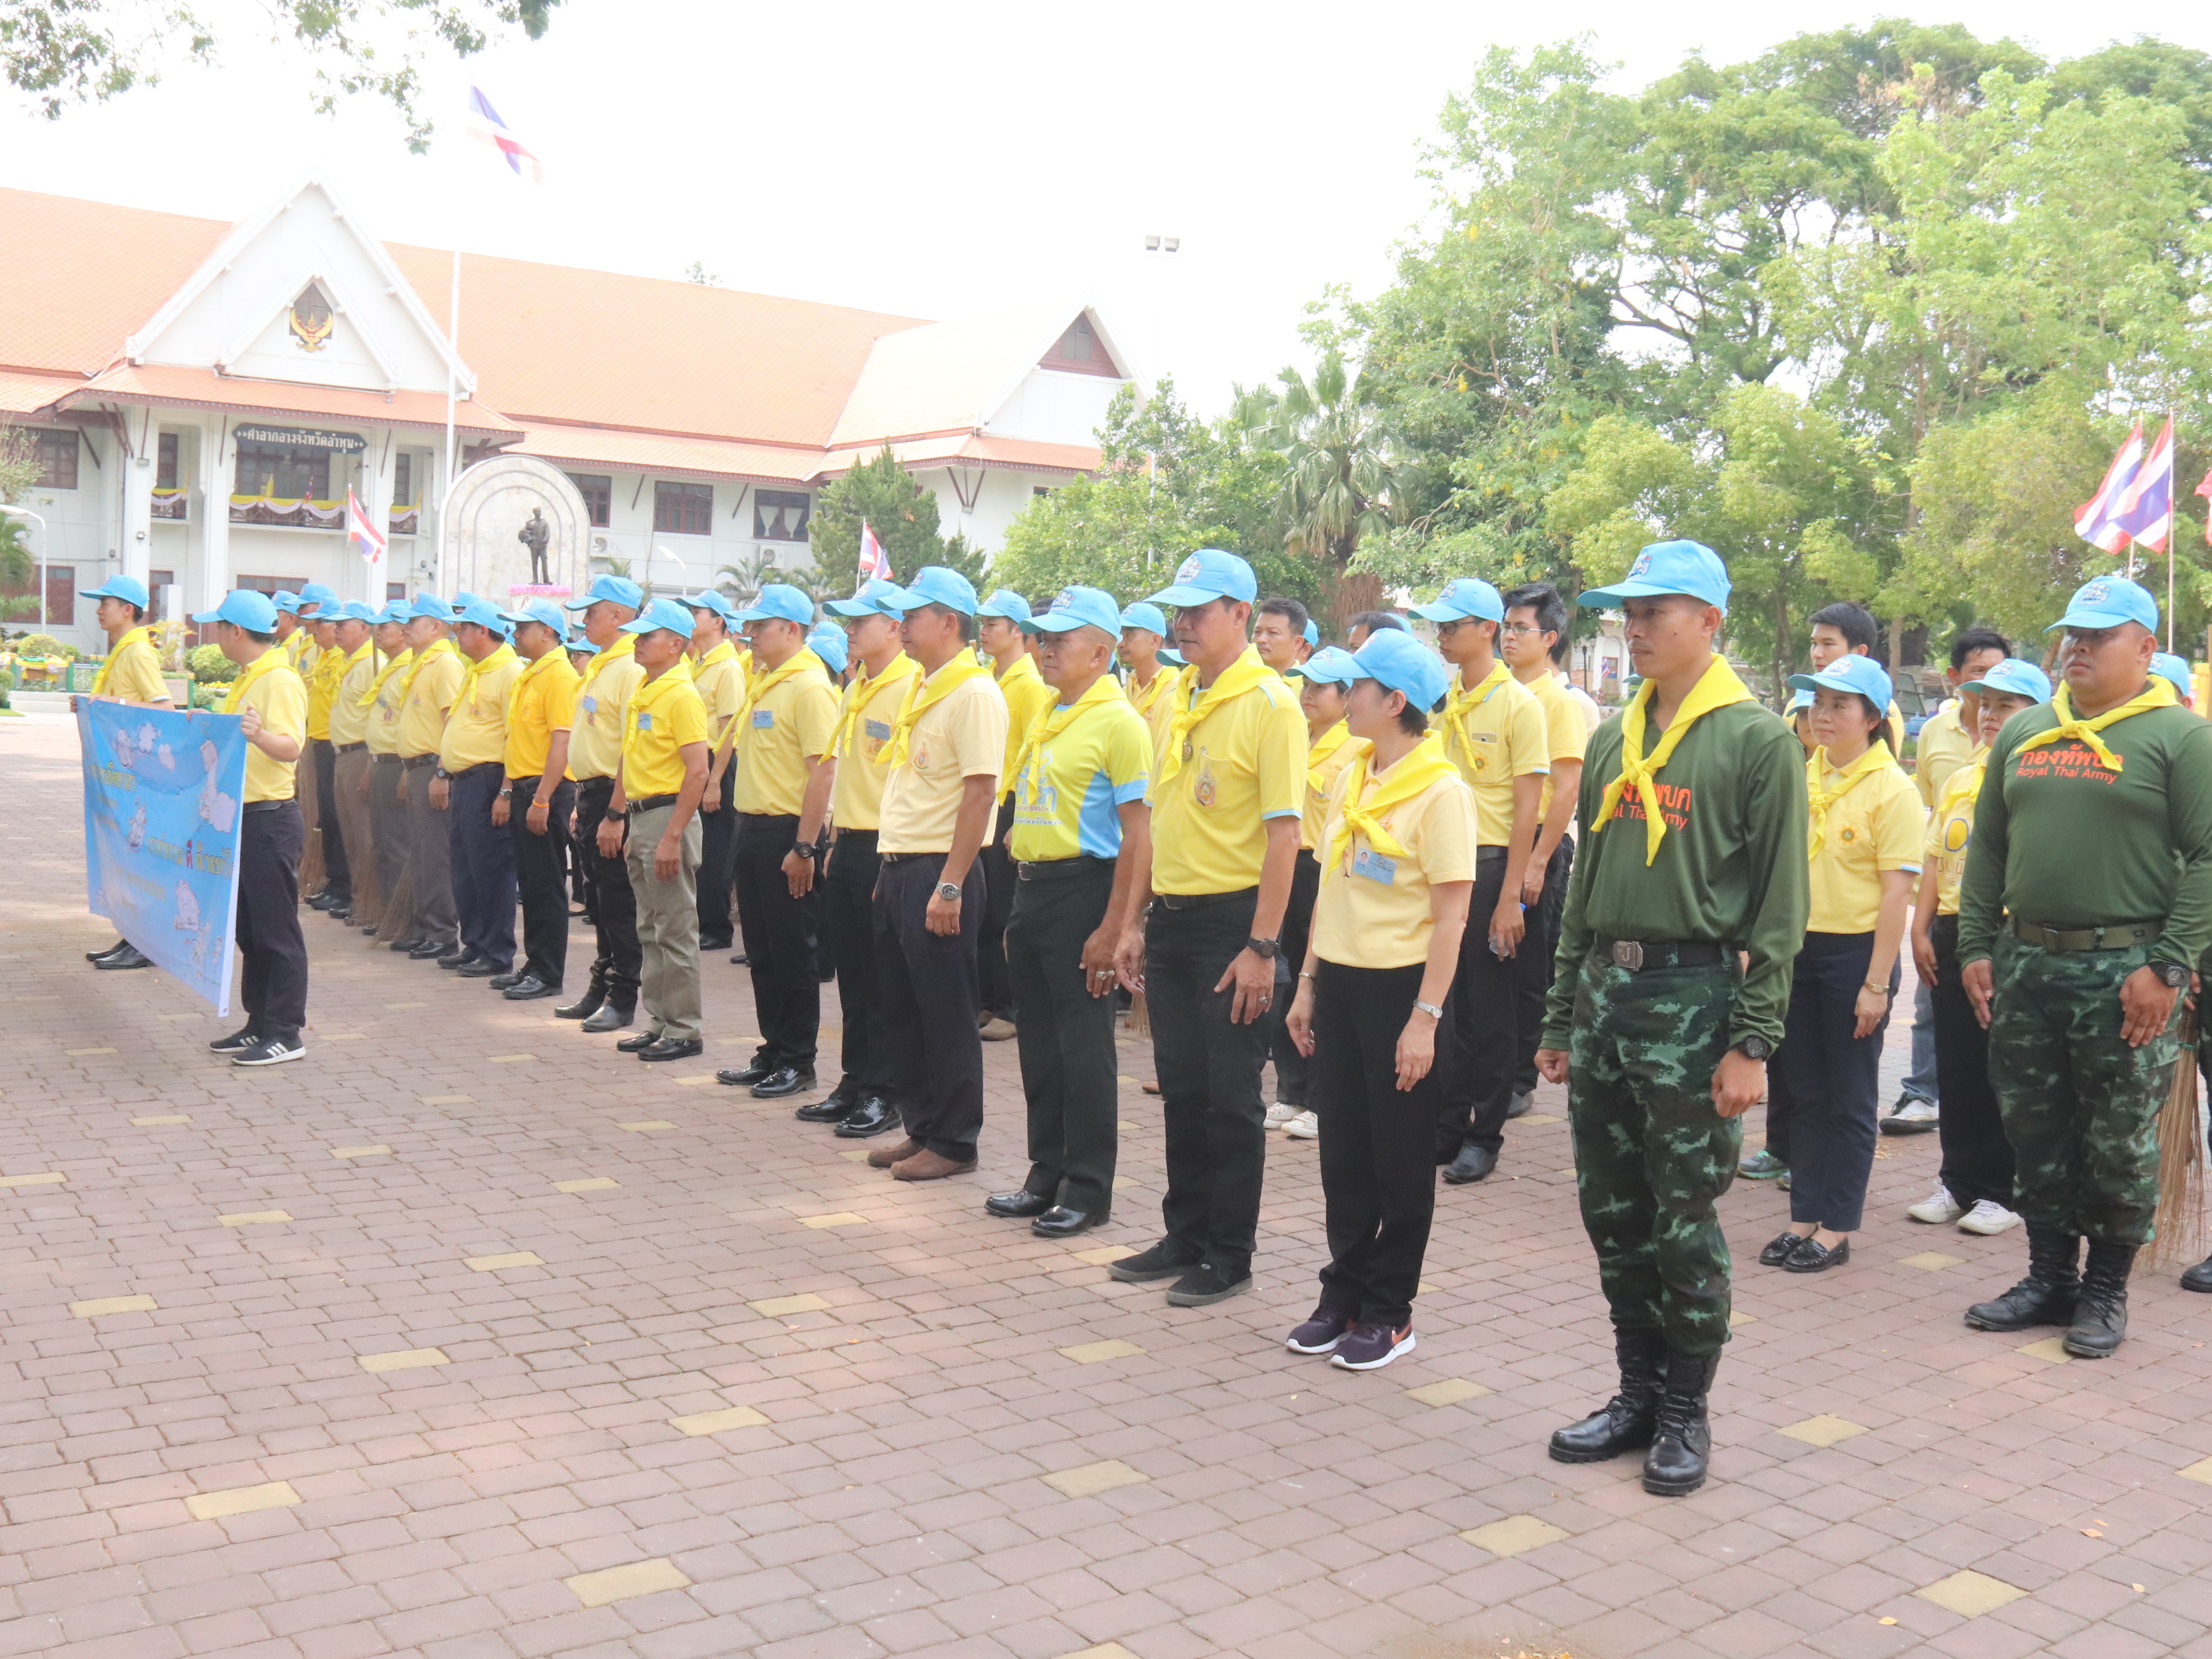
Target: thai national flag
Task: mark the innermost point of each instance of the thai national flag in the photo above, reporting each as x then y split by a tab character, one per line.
2097	523
364	537
485	124
875	563
2145	508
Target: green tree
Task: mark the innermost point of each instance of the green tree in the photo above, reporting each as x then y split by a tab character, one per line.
903	513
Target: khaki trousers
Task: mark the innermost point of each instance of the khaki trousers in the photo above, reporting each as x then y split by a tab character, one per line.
667	925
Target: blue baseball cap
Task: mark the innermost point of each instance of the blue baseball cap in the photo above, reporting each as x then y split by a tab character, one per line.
430	605
1005	602
354	610
2174	670
1396	661
1332	664
1313	632
317	593
780	602
1081	607
615	590
395	611
1206	575
1469	596
1662	568
714	600
827	642
128	589
1173	658
661	613
2014	678
243	608
580	644
1862	675
1146	615
486	614
876	598
2107	602
539	610
285	600
1800	701
935	585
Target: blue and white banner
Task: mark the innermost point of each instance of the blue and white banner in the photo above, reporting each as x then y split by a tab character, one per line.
161	793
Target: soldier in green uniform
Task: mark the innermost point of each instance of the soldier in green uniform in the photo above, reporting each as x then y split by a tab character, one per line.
1692	817
2087	897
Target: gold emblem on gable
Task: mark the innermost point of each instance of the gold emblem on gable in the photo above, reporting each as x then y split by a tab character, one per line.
312	319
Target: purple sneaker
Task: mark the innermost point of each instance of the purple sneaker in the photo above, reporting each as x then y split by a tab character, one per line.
1319	1334
1367	1346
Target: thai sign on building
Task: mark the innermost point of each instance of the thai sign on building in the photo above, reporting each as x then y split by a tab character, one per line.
299	437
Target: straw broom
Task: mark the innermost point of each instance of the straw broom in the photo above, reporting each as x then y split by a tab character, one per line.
2179	1224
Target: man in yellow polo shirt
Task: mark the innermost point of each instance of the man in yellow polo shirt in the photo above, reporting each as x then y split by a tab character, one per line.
1228	793
861	1105
1143	631
610	678
433	681
1002	623
131	672
348	855
387	812
1494	733
471	772
270	702
653	819
536	800
721	680
1078	795
322	676
942	763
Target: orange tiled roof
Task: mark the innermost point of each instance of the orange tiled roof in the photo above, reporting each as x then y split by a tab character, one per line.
204	387
592	446
81	276
23	394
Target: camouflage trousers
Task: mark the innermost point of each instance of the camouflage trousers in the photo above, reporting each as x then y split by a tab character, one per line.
2080	1107
1651	1154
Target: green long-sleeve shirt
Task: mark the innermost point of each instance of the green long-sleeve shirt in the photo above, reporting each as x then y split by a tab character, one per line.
1731	869
2060	840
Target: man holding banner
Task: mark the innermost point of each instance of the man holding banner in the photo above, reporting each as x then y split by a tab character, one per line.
131	672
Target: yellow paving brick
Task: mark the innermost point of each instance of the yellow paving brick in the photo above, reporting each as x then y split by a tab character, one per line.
1930	1261
405	1359
858	1155
693	1080
1737	1317
1530	1120
1449	1392
492	1264
835	1218
1089	1353
588	1184
1089	1480
737	1417
148	1122
1823	1431
88	1051
254	1218
777	1307
1515	1535
2051	1348
597	1590
341	1037
241	1500
46	1179
1100	1257
113	1304
511	1060
1969	1595
2199	1471
648	1123
360	1152
1122	1183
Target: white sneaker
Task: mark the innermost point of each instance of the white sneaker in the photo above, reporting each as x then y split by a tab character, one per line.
1913	1116
1987	1219
1304	1127
1939	1208
1278	1115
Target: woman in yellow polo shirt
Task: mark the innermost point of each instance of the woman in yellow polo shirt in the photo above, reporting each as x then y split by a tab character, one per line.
1975	1185
1863	851
1397	868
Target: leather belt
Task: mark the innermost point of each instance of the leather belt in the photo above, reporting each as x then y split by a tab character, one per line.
348	748
1061	869
268	805
1640	955
903	858
416	762
385	760
651	802
1201	901
2115	936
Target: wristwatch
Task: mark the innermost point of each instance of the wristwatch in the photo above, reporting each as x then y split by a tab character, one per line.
1432	1010
949	892
441	775
2172	974
805	849
1754	1048
1266	949
506	792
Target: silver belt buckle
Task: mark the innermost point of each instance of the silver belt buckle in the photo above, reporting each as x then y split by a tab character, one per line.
1628	953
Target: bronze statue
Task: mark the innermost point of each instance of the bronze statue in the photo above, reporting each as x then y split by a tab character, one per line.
534	536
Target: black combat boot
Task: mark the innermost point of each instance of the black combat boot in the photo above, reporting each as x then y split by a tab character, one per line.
2045	1296
595	995
1623	1422
2100	1313
1681	1442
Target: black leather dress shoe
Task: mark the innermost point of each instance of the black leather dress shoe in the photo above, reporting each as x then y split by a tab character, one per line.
501	981
742	960
784	1080
1779	1249
611	1017
319	902
745	1076
1061	1222
871	1116
594	999
529	988
119	944
832	1108
406	947
481	969
707	944
637	1040
671	1048
1813	1257
427	950
1473	1163
458	958
129	956
1019	1205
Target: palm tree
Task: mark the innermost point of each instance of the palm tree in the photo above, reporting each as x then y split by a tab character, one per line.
1341	482
742	581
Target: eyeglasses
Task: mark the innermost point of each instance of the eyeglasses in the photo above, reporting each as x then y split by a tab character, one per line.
1523	628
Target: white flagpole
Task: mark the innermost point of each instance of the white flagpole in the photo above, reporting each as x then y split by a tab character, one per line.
452	354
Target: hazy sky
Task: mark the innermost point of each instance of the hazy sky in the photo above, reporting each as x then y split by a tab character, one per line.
935	161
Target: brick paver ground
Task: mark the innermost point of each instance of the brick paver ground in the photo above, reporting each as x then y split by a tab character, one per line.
413	1348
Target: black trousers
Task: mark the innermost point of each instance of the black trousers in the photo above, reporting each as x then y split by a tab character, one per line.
1533	967
620	960
337	873
786	989
1978	1159
848	899
1834	1080
1065	1035
430	860
718	849
541	877
1486	1025
1378	1178
995	989
1292	1085
1209	1071
482	858
928	982
272	951
387	825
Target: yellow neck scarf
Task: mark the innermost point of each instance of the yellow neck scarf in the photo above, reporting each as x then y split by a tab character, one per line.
924	695
1052	722
136	636
1321	748
263	665
476	671
624	647
798	662
1411	774
399	659
437	646
1716	688
721	651
1142	697
1240	676
1819	798
2157	695
861	692
1464	704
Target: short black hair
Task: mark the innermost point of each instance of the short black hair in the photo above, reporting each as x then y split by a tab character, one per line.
1978	638
1289	611
1850	620
966	623
1372	620
256	636
1551	612
1412	721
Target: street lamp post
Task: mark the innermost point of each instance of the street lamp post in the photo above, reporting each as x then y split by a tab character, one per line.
43	538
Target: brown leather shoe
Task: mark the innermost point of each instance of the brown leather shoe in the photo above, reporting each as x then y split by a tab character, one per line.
925	1165
883	1156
